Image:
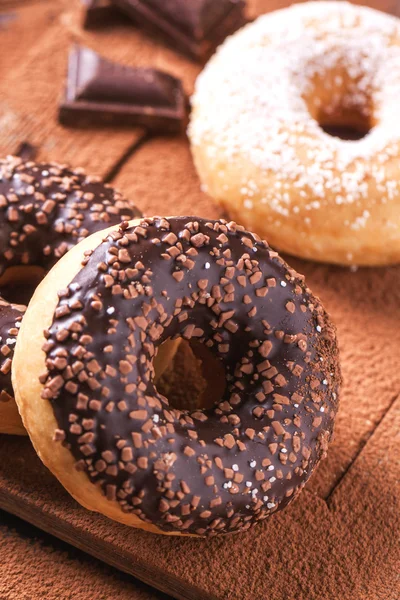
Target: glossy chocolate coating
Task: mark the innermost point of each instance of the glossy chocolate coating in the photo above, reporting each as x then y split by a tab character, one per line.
10	321
207	471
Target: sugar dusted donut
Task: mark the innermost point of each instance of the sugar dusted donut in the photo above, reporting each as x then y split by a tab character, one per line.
45	209
87	397
258	142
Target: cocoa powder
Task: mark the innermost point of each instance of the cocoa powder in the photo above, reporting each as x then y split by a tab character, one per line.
35	565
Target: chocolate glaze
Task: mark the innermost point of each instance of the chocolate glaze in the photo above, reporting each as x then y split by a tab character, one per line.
45	209
208	471
10	322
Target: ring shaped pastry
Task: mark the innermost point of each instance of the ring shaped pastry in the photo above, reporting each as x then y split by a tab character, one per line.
261	111
45	209
88	400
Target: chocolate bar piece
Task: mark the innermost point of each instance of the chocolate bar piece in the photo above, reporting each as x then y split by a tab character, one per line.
100	92
195	27
99	13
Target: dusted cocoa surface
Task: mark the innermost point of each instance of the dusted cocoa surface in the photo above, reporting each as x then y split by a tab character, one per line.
345	548
340	539
34	565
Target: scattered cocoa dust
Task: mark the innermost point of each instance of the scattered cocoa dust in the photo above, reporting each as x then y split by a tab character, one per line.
35	566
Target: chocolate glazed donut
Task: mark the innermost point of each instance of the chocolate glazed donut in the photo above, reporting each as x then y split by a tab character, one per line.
45	209
202	472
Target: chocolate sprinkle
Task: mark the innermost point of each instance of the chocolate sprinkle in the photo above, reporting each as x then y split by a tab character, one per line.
45	210
209	471
10	322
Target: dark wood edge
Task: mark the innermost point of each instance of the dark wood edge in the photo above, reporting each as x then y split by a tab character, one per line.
85	541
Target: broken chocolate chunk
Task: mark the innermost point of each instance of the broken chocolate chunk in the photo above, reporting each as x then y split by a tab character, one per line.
195	27
100	92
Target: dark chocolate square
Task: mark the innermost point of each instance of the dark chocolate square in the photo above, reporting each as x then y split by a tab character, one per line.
195	27
100	92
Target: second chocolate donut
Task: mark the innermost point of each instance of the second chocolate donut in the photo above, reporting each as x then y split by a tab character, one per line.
45	210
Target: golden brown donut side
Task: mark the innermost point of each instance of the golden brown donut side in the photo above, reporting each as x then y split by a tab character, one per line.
369	247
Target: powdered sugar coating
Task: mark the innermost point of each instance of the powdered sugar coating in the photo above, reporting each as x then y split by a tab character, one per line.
256	100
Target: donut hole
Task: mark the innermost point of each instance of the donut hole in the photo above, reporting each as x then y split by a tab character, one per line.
17	284
348	125
194	380
341	100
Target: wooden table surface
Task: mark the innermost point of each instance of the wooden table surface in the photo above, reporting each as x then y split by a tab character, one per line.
155	172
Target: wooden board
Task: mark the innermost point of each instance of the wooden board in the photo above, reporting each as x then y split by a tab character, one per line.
340	539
